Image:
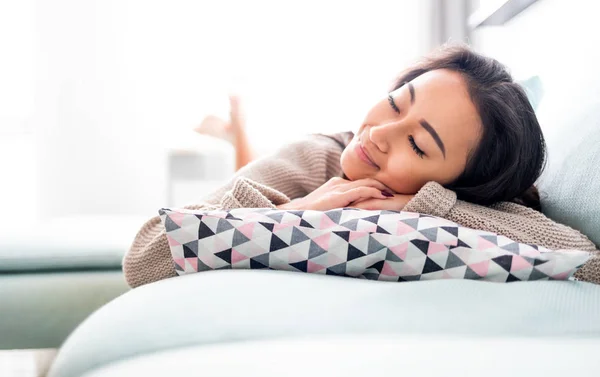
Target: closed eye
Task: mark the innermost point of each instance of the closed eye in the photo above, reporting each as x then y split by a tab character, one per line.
393	104
415	147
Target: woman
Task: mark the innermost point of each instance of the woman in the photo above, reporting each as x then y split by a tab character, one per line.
455	138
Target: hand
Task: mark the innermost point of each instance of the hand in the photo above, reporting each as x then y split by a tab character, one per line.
397	203
339	193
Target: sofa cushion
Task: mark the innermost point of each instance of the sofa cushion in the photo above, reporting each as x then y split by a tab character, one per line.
69	243
570	186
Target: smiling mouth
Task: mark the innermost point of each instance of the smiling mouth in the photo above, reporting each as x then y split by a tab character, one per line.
362	154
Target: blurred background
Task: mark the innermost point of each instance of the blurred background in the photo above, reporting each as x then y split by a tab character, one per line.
98	99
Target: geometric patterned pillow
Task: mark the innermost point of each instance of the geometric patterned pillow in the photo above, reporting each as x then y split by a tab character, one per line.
377	245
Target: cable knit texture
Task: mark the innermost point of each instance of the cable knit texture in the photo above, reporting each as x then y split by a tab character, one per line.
301	167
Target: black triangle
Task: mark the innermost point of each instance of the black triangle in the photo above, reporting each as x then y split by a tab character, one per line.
188	253
302	266
504	261
225	255
305	224
344	234
354	253
453	230
254	264
277	243
373	219
268	226
431	266
199	217
231	217
378	266
421	245
170	224
462	244
512	278
537	262
381	230
412	278
204	231
297	213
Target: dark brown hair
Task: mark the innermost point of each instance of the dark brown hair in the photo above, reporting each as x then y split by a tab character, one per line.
511	153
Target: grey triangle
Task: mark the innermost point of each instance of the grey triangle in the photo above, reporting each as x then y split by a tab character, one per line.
193	246
298	236
430	233
263	259
238	238
315	250
513	247
170	224
277	216
413	223
390	256
453	261
492	239
223	225
202	266
470	274
334	215
537	275
351	224
339	269
371	275
374	246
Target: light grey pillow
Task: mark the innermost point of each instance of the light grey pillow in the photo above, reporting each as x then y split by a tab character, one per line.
570	186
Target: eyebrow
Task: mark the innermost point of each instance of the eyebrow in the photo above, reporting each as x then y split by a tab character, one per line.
426	125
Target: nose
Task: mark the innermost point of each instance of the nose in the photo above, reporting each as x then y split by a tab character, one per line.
383	134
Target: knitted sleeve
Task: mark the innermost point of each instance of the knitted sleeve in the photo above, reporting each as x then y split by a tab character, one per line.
512	220
291	172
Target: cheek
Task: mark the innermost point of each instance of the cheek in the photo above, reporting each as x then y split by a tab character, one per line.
405	176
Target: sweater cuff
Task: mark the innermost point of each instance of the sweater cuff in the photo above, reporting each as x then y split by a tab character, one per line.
432	199
247	193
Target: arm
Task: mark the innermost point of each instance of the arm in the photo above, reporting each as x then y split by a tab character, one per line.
291	172
519	223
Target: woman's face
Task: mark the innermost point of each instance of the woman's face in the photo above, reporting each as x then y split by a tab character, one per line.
423	132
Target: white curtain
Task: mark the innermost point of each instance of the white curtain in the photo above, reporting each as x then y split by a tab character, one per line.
115	83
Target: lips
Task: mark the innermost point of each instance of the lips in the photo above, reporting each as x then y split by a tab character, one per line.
362	154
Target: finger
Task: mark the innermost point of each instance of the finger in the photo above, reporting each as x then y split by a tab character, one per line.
369	182
359	193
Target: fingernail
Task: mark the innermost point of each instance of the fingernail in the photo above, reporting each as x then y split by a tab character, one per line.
385	193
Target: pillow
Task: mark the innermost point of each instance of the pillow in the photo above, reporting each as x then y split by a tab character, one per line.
376	245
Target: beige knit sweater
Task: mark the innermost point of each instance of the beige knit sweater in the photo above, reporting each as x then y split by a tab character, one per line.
301	167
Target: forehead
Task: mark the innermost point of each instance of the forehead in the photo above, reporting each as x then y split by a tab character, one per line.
442	99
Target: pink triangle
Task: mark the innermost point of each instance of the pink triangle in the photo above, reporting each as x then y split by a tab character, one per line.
172	241
193	262
323	240
313	267
354	235
485	244
400	250
519	263
562	275
403	229
236	256
326	222
247	229
277	227
180	262
435	248
480	268
387	270
177	217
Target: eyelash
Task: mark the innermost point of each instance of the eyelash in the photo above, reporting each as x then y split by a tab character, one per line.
415	148
393	104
